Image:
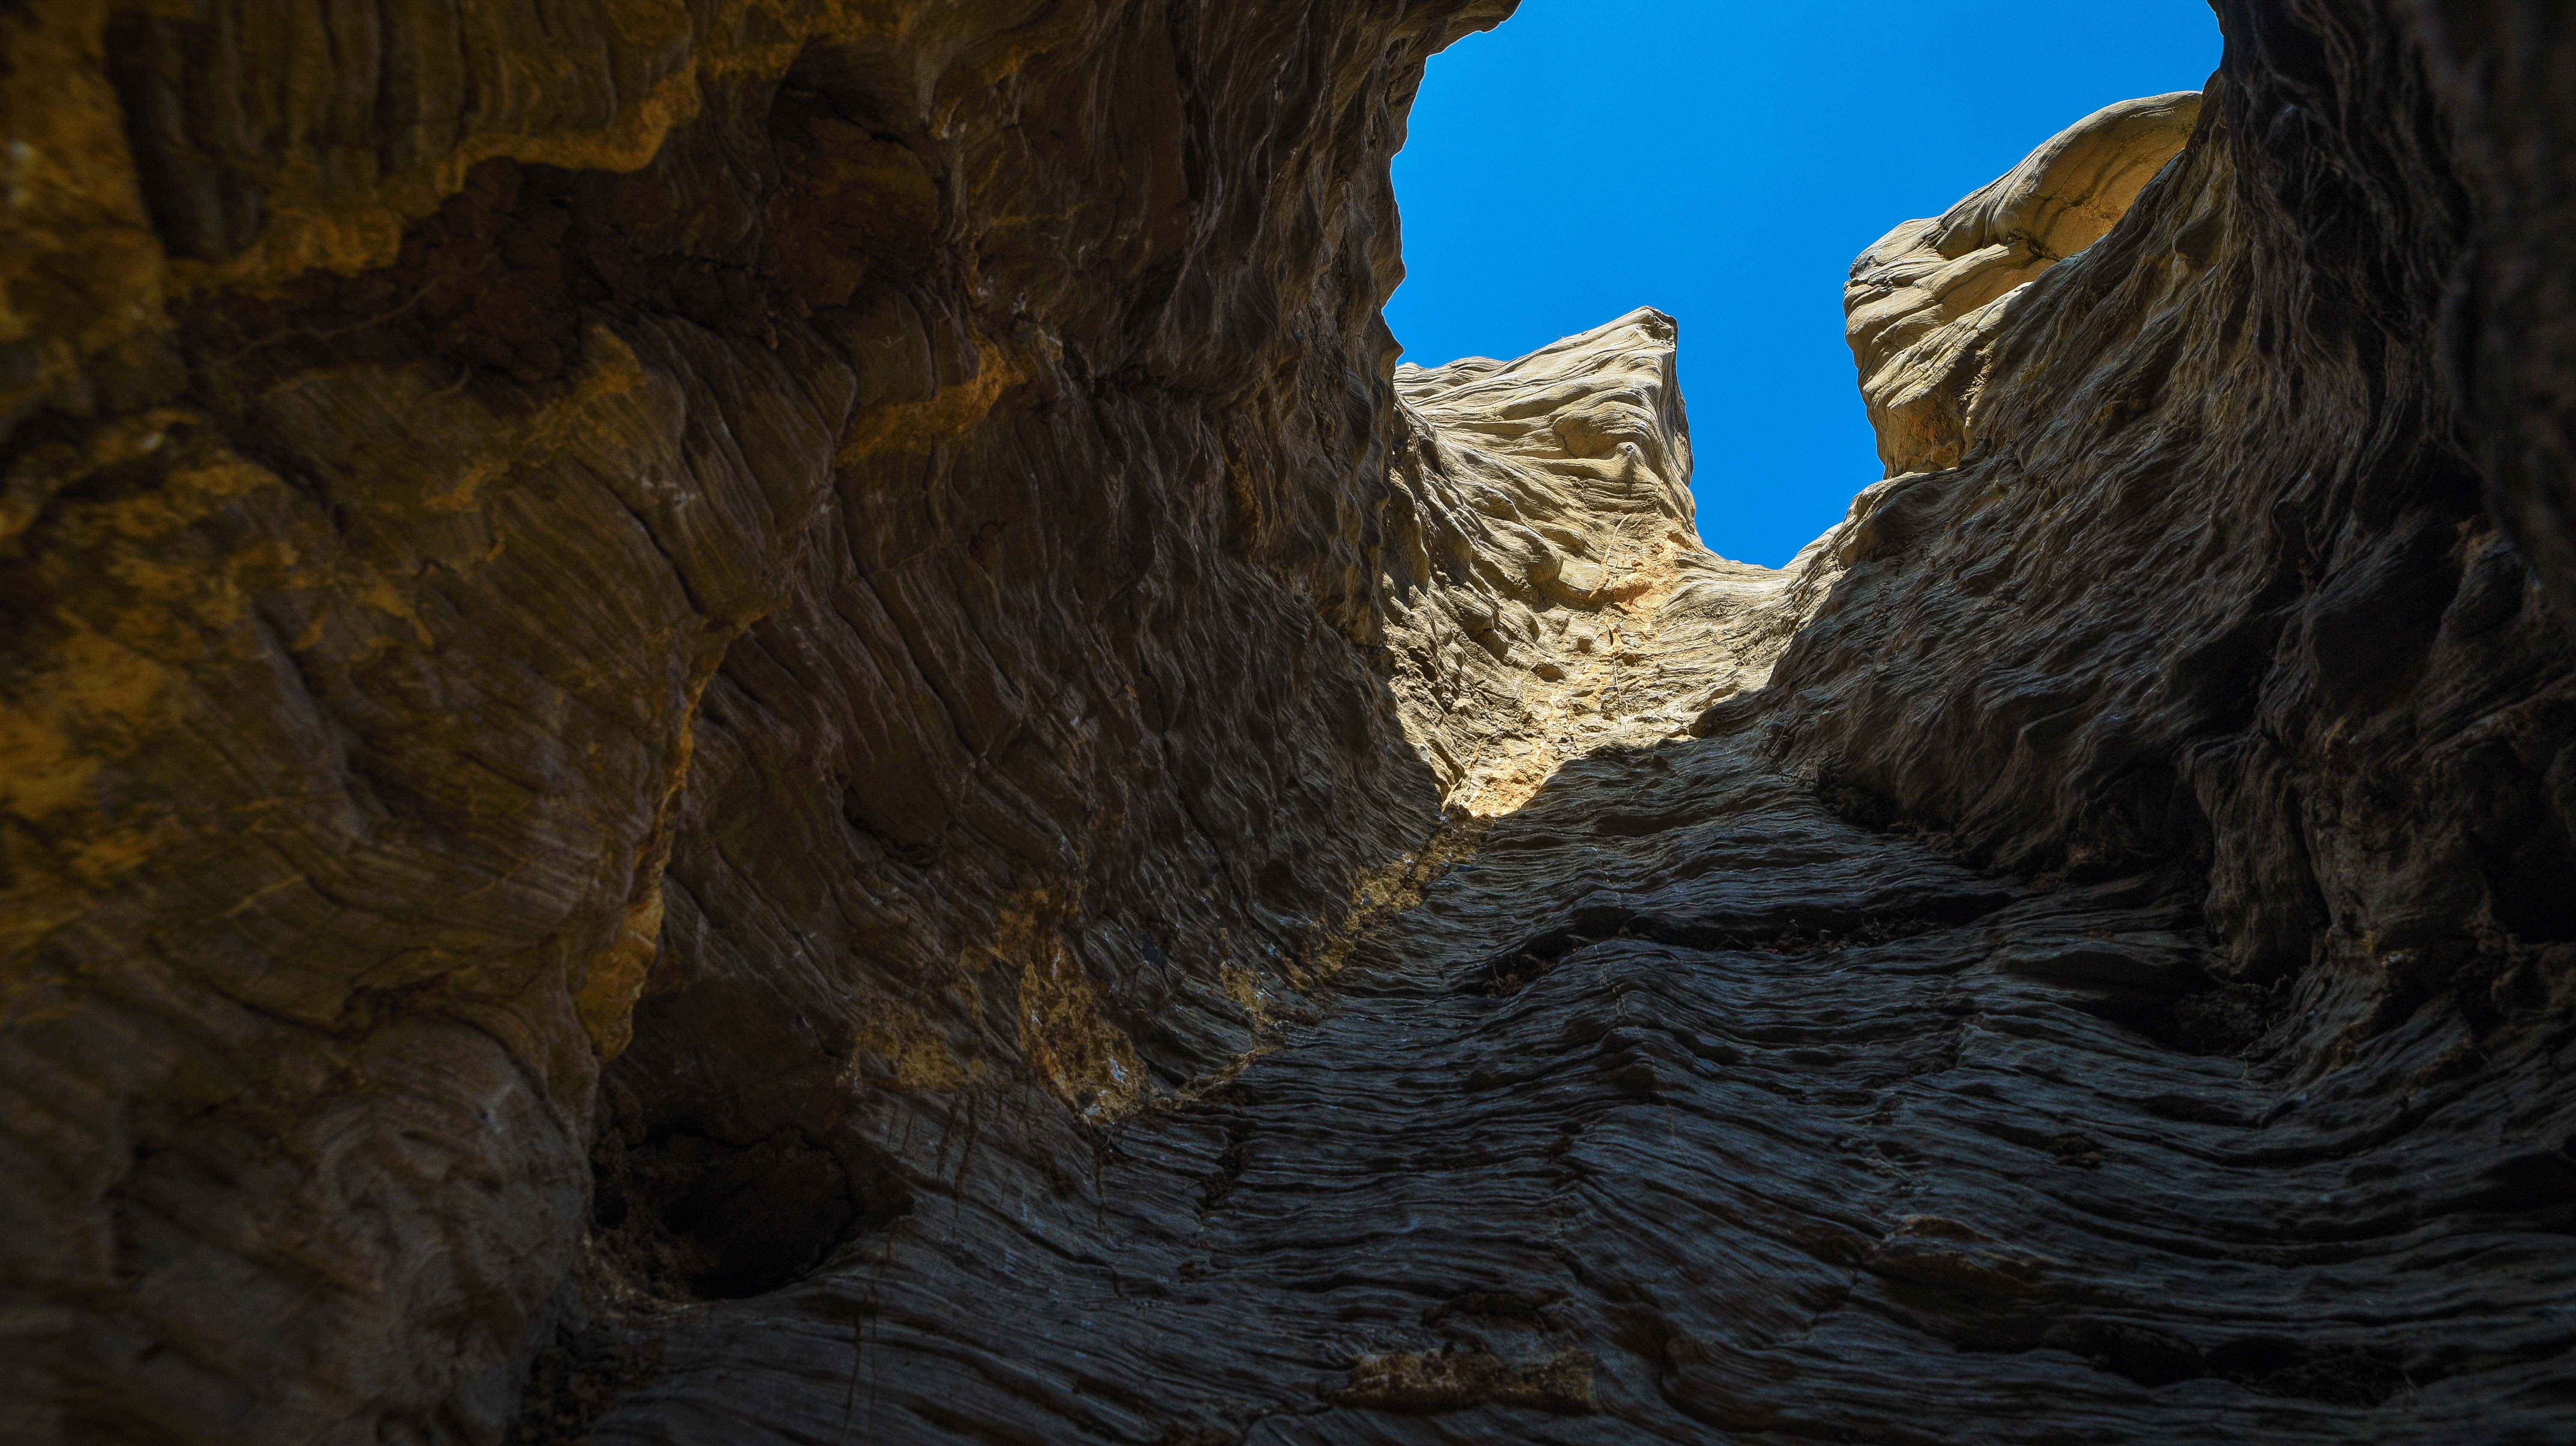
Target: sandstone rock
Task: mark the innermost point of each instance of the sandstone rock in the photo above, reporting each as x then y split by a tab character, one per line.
715	509
2198	595
1567	604
743	726
1924	300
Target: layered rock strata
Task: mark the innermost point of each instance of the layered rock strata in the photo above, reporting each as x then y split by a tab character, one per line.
2207	570
739	725
821	554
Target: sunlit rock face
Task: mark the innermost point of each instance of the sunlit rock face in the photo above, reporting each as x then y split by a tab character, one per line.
1923	303
1570	606
774	725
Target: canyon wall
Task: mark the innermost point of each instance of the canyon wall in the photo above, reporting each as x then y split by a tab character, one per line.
2499	71
771	722
2195	529
829	551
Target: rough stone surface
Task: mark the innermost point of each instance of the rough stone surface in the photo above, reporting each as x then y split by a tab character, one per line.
2502	71
856	527
768	723
1568	604
1924	301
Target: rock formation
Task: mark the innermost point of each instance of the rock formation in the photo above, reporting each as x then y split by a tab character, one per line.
770	723
826	555
1924	301
1569	606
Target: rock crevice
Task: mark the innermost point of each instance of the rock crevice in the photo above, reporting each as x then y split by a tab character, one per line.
740	724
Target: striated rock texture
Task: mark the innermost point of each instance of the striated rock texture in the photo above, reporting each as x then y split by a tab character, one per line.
1568	604
827	554
769	723
2208	574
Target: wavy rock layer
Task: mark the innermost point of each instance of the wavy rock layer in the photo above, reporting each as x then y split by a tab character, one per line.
770	724
826	555
2088	993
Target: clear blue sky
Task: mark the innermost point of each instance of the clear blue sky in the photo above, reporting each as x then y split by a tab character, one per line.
1724	160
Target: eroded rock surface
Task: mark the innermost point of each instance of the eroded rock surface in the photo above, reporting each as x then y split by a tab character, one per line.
809	551
1923	302
1569	605
734	725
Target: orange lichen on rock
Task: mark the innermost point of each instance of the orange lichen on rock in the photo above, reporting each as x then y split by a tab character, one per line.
944	416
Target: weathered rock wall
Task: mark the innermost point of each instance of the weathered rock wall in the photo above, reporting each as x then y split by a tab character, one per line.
2201	570
858	525
1567	604
784	700
2502	73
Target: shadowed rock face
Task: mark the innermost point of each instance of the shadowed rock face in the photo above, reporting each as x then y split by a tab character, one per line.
771	724
2499	71
814	552
2211	580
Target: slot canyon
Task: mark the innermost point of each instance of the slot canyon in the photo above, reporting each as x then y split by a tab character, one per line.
770	721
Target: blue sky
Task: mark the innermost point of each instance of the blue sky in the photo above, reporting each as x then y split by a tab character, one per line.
1725	160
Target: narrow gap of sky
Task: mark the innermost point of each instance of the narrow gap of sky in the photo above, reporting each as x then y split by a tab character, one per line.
1724	161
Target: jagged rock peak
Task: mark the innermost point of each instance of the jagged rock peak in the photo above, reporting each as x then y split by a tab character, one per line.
1577	456
1571	605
